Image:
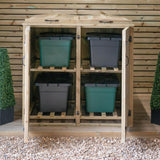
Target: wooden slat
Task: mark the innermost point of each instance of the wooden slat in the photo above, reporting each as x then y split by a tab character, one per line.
10	44
40	68
63	114
146	51
148	57
91	114
50	117
96	12
11	33
39	115
101	118
84	1
146	29
52	114
103	114
79	6
11	28
101	70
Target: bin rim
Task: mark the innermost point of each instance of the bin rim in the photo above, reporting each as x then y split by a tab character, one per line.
53	34
53	84
102	85
94	36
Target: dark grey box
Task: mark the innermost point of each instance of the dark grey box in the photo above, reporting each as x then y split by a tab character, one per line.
53	97
104	51
6	115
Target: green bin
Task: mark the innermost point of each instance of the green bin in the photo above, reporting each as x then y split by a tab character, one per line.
55	49
100	97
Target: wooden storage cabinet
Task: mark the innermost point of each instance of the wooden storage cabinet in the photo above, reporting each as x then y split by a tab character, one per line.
79	66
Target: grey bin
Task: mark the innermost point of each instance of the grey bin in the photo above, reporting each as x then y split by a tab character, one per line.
105	51
53	96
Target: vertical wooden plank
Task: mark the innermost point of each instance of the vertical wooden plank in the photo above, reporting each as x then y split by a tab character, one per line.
130	119
27	81
123	86
78	74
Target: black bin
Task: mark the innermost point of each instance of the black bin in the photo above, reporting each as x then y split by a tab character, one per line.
104	49
53	95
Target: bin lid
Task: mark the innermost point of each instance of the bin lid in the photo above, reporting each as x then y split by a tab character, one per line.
103	36
56	36
102	85
48	78
53	84
101	78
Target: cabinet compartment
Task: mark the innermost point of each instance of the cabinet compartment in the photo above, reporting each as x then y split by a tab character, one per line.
53	47
101	47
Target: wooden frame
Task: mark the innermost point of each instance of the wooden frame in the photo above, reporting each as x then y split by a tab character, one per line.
79	22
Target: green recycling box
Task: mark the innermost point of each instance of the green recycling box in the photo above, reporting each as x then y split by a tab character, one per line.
55	49
100	97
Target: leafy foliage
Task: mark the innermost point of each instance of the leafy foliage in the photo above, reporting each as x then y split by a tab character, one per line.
7	98
155	97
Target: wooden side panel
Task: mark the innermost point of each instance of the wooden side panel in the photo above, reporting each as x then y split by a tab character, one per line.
124	86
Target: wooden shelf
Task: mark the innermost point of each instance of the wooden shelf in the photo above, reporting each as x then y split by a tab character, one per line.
91	116
52	116
52	69
103	116
102	70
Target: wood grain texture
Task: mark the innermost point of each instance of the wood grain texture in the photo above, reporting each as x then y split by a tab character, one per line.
145	15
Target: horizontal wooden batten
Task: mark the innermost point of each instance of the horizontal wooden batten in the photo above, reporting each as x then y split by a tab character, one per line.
143	79
144	68
84	1
10	28
145	51
86	11
148	35
11	44
11	33
79	6
144	74
147	57
146	29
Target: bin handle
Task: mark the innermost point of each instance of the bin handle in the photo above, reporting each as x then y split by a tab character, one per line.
105	21
52	20
127	60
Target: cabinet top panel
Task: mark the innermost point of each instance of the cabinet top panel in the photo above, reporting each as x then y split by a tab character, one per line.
75	18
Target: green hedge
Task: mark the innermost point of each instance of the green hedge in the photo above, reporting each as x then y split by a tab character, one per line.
7	98
155	97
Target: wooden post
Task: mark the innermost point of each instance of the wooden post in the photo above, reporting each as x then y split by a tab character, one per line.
123	86
78	74
26	74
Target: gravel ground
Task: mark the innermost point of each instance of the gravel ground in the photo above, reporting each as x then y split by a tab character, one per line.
77	148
